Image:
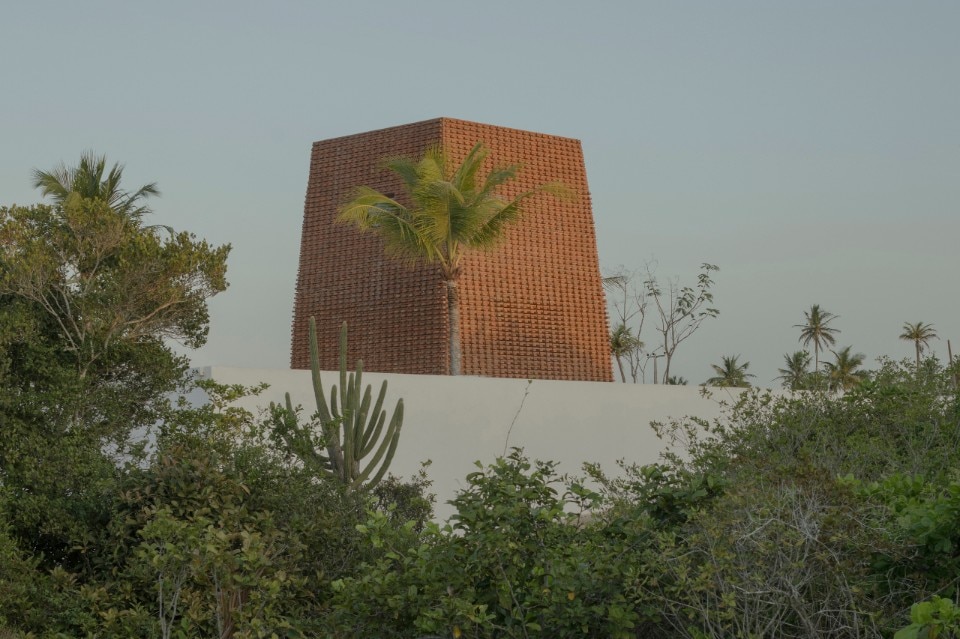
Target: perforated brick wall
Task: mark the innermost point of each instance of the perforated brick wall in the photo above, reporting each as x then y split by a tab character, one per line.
533	307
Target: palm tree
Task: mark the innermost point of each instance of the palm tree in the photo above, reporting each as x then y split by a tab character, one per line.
920	334
622	343
815	330
88	181
451	210
843	373
730	373
796	375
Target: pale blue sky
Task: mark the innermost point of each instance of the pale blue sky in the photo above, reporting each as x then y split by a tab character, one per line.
810	149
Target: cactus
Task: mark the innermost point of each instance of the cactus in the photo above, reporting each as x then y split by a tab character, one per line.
350	430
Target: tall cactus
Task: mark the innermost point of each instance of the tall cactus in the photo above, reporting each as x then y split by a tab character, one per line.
350	430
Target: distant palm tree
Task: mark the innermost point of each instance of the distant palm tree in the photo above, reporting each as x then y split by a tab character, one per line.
87	179
796	375
920	334
676	380
452	209
815	330
843	373
730	373
622	343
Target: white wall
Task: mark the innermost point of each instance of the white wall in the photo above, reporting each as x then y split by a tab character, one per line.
455	421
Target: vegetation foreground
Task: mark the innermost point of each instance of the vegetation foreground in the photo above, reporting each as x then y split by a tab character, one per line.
812	514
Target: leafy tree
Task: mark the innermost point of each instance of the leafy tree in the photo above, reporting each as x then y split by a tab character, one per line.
209	530
87	297
730	373
211	535
516	560
844	373
625	345
681	310
102	279
451	210
828	515
815	330
88	181
920	334
939	617
796	374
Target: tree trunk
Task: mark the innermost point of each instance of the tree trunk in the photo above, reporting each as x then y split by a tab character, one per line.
623	377
453	315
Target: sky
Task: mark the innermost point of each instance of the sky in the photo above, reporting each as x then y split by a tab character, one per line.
809	149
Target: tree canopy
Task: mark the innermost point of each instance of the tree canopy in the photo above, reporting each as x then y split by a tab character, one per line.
730	373
88	298
816	330
102	279
920	334
87	180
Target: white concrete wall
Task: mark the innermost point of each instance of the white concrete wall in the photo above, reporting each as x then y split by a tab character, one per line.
455	421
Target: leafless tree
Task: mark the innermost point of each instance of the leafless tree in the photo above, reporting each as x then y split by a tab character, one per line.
629	312
680	311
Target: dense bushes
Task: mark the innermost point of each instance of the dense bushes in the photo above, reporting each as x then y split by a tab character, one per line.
793	516
796	516
517	560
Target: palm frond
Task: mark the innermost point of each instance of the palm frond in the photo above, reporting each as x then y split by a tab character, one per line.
491	231
449	211
88	181
406	169
372	211
56	183
367	207
465	176
498	177
558	190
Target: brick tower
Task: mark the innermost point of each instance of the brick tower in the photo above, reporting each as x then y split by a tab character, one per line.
532	307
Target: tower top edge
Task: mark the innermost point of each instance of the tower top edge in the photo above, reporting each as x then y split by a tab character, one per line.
441	122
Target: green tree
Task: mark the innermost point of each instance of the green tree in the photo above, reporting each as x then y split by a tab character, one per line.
451	210
796	374
517	560
87	297
773	527
920	334
730	373
939	617
625	345
844	373
815	330
101	280
87	179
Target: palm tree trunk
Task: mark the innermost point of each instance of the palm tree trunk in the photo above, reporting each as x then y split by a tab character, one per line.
623	378
917	344
453	314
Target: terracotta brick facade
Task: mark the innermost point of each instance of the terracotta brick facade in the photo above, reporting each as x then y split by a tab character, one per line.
533	307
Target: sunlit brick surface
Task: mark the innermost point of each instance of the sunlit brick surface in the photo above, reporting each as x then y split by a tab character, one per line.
533	307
